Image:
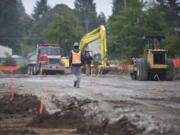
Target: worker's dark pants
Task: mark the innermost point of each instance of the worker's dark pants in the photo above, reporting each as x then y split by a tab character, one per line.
76	71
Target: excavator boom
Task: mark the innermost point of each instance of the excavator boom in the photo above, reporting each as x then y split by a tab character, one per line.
99	33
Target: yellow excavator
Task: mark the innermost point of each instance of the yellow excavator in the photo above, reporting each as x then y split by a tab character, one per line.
85	44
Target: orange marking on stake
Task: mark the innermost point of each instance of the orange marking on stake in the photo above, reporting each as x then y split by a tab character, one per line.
11	69
42	100
42	105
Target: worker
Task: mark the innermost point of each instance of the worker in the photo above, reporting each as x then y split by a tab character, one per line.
76	60
87	61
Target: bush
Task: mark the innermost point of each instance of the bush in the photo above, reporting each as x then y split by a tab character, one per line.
9	61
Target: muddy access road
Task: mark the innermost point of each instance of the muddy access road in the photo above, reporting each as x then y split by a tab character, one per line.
107	105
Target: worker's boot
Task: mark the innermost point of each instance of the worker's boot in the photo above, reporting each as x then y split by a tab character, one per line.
78	82
75	83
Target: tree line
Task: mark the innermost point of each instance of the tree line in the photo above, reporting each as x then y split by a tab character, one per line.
133	19
59	25
129	22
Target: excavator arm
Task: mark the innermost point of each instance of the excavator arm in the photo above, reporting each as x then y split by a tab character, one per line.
99	33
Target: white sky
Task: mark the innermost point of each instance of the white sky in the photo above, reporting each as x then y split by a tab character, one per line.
104	6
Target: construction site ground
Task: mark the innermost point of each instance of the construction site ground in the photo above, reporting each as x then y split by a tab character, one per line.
103	105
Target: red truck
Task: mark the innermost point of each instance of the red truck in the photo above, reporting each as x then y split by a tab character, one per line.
46	59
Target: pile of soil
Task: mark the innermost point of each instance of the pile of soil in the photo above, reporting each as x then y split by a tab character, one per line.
22	105
71	116
121	127
13	114
71	119
75	120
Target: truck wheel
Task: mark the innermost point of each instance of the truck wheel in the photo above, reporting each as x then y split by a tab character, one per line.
133	76
170	72
29	70
41	72
142	70
34	70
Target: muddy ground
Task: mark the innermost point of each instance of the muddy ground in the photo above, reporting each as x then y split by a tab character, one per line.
103	105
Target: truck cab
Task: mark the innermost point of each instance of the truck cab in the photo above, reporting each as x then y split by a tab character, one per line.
49	59
46	59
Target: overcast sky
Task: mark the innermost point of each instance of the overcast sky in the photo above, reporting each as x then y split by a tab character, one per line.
104	6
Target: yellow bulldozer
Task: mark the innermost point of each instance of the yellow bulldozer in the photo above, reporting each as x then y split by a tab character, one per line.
155	62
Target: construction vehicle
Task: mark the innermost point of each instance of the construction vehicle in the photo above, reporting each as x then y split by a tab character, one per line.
46	59
155	62
65	60
99	56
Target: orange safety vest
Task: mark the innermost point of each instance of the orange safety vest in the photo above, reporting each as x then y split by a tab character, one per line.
76	57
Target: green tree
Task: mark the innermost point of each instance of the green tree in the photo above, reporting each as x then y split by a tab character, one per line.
27	24
21	8
154	23
64	30
172	44
86	11
10	30
40	9
129	25
9	61
40	25
119	5
26	29
171	8
101	19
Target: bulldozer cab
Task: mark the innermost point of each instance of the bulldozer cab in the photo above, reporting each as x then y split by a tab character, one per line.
153	41
155	55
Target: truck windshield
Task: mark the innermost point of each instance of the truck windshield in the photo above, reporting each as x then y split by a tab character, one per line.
51	51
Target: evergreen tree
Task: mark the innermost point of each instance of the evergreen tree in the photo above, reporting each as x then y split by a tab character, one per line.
40	25
171	8
21	8
10	30
86	11
40	9
101	19
9	61
119	5
129	25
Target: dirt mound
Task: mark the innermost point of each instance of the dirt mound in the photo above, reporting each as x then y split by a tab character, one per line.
75	119
121	127
67	120
21	105
15	114
72	117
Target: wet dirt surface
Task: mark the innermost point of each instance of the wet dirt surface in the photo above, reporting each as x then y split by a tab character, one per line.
15	114
101	105
21	117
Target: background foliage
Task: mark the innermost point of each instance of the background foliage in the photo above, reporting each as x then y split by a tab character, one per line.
131	19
